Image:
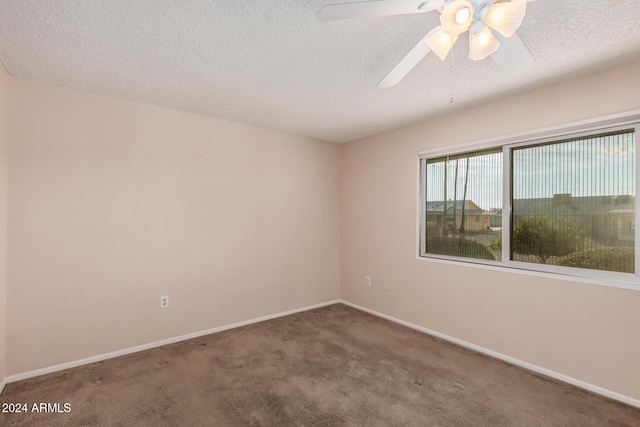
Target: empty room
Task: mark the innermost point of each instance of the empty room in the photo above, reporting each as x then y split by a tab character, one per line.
319	213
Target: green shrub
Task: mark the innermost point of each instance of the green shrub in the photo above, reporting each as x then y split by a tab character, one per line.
606	258
496	245
545	237
458	247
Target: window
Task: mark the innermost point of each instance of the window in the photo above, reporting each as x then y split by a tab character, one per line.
463	195
563	204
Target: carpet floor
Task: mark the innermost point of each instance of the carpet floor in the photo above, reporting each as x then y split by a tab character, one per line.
333	366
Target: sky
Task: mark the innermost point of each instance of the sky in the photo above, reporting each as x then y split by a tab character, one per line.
597	166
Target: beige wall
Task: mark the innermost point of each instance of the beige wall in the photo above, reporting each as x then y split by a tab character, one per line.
4	104
588	332
114	203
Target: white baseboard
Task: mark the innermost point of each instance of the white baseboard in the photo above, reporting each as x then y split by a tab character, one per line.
590	387
130	350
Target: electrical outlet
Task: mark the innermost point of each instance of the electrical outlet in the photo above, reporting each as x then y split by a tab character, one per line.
164	301
367	281
385	285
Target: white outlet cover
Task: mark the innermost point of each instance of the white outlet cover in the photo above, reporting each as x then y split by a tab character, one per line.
164	301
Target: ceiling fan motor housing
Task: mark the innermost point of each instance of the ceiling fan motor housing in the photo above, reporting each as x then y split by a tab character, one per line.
480	10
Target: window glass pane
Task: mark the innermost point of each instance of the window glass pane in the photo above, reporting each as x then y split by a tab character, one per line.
464	205
574	202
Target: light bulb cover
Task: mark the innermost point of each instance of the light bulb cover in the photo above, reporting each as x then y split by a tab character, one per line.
440	42
450	15
482	44
462	15
506	17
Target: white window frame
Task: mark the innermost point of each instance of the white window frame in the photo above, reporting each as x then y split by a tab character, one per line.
626	120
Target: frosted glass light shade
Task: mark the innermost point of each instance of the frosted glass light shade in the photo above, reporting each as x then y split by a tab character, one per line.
482	44
440	42
450	24
506	17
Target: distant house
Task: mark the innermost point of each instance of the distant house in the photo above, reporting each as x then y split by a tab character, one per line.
609	220
475	218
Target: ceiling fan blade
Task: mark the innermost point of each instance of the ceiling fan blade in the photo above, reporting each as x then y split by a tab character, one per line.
512	57
407	63
368	9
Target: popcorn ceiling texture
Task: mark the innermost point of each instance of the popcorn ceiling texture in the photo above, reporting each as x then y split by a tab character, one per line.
271	63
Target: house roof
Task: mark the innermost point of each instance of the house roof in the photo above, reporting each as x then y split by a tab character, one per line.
435	207
272	63
562	204
594	205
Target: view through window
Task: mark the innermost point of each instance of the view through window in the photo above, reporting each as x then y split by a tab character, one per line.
464	204
571	203
574	203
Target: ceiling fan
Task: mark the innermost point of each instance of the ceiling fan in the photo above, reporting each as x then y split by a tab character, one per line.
491	24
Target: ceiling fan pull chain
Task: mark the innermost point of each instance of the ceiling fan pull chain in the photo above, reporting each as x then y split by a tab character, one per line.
451	91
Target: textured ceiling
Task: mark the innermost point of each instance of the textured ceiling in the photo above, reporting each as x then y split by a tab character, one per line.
271	63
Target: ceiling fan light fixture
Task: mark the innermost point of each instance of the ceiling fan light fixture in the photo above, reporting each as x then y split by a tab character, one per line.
440	42
463	15
486	30
482	44
456	17
506	17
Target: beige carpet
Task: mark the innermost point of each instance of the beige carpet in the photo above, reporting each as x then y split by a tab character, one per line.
327	367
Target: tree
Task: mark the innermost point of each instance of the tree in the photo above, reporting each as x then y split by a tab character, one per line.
444	208
464	197
455	201
543	237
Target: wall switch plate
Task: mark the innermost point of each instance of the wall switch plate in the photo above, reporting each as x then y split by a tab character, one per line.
367	281
164	301
385	285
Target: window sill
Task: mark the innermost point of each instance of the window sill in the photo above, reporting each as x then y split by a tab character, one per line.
633	283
